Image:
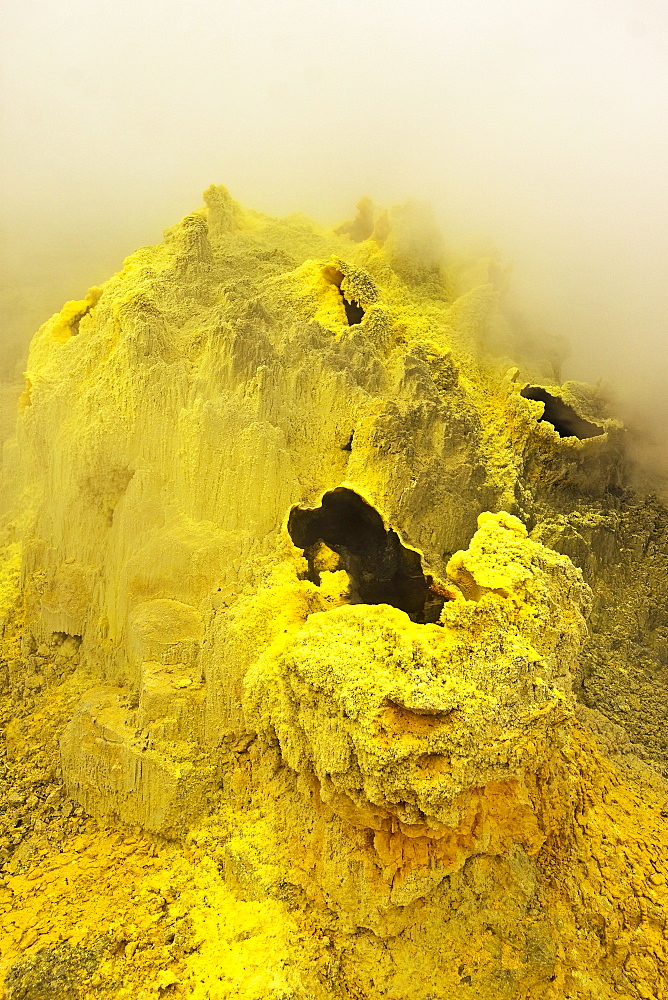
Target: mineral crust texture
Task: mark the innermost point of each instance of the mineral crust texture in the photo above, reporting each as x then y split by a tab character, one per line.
334	643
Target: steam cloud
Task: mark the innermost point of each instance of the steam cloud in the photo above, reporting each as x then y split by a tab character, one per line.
538	126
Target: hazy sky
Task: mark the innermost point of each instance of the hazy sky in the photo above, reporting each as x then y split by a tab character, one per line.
542	123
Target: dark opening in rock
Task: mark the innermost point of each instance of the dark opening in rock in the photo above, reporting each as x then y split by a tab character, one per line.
354	311
564	419
381	569
349	444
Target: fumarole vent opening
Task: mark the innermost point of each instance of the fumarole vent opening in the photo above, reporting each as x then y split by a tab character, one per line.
381	569
564	419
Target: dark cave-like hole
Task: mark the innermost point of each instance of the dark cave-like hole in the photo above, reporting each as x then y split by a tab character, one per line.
564	419
381	569
348	446
354	311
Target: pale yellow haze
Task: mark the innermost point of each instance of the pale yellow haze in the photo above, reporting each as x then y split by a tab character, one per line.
538	126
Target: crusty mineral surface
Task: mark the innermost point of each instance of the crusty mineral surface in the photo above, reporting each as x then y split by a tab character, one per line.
334	640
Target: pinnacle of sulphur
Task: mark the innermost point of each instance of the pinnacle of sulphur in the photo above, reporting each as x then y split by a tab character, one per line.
339	580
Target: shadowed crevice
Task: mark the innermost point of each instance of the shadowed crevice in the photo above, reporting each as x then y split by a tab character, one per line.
381	569
564	419
354	311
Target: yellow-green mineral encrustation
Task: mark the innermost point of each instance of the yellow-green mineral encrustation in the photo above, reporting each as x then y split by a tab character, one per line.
334	641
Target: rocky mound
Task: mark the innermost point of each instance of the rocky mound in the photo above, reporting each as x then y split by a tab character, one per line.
334	638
